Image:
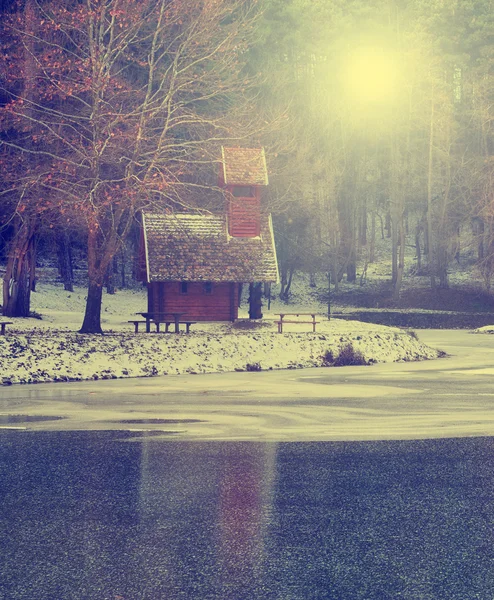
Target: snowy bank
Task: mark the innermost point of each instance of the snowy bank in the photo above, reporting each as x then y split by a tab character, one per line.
485	329
49	349
50	355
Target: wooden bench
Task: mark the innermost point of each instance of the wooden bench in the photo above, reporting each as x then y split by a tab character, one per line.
136	325
282	320
167	325
3	325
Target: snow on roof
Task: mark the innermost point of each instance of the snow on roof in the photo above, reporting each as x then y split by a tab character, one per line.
244	166
194	247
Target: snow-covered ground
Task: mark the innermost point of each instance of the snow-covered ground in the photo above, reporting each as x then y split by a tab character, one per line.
485	329
49	349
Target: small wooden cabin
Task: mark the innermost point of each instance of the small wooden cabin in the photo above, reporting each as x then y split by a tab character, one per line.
195	263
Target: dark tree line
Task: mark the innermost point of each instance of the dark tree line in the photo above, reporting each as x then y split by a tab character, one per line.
416	162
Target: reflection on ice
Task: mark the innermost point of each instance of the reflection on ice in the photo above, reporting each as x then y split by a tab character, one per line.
85	515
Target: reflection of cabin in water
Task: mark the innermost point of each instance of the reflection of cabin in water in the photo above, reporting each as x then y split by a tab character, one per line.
196	263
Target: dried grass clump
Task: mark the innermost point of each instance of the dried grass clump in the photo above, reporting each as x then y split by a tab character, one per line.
347	356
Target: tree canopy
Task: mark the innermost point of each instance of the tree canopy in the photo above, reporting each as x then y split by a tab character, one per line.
112	106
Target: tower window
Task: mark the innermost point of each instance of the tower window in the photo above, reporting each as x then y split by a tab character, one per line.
184	287
208	288
243	191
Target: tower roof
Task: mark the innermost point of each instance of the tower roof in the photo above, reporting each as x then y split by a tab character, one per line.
244	166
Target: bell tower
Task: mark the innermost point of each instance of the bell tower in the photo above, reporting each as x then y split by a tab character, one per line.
243	174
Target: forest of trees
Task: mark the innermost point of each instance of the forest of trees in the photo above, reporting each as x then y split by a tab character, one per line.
111	106
416	158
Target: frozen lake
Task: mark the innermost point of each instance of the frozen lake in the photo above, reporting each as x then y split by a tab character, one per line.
112	516
363	483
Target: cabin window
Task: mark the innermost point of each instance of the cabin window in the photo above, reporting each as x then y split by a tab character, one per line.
183	287
208	288
243	191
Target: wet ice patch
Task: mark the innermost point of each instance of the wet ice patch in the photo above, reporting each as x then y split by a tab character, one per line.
12	419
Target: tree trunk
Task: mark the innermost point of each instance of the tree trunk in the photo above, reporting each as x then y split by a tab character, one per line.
363	223
283	281
92	316
430	244
17	288
347	215
123	279
24	289
372	244
255	301
445	231
398	172
401	260
418	250
99	256
478	230
394	252
32	266
110	278
18	274
363	275
289	282
329	295
457	244
387	226
382	226
64	261
334	272
442	267
351	269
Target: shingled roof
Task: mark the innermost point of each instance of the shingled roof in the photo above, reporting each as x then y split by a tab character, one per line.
244	166
191	247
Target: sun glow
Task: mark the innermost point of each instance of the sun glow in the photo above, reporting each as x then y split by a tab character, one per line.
371	76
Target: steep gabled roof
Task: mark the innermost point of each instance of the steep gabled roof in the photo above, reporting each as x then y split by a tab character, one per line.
190	247
244	166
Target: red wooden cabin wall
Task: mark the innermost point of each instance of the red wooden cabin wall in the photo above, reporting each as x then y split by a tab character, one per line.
220	305
244	217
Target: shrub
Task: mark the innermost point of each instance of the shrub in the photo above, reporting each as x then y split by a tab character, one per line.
328	359
253	367
349	356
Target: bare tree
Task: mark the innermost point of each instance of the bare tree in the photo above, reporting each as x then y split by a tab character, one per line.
132	101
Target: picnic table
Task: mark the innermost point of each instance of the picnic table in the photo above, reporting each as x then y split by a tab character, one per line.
281	321
167	318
